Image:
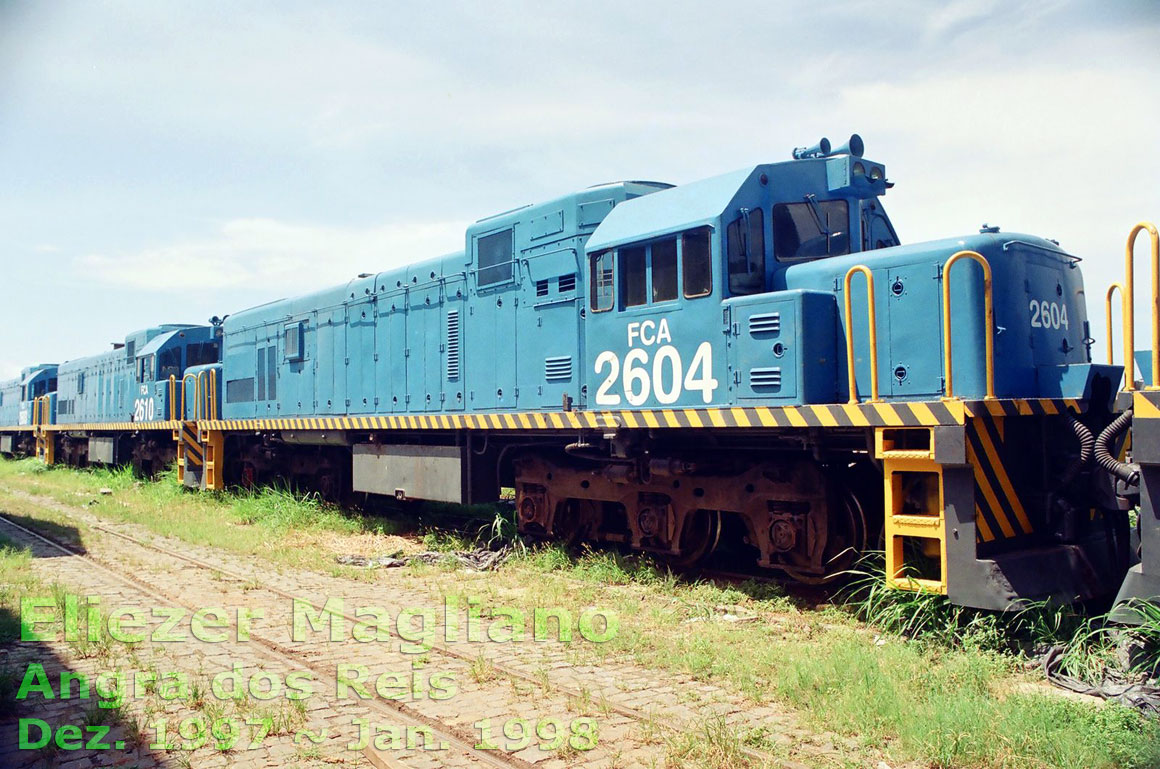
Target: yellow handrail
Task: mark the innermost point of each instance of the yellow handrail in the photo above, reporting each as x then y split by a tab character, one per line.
196	394
172	397
873	334
1108	314
211	395
1129	319
202	411
989	319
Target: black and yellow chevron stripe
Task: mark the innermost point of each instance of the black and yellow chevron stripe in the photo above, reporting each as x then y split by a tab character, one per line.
191	444
999	511
895	414
835	415
1023	407
114	426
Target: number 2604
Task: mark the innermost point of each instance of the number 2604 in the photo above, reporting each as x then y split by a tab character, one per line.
1048	314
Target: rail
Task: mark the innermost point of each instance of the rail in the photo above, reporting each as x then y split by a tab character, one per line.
207	396
1108	315
212	400
196	395
989	319
172	397
873	320
1129	319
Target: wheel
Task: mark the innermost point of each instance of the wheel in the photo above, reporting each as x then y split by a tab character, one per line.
570	521
845	541
699	538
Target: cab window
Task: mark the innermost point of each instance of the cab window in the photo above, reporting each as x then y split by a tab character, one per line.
696	263
170	362
664	270
809	230
145	368
745	239
633	278
600	279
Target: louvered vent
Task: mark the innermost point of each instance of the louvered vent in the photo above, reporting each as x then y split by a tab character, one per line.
765	323
567	283
453	345
541	288
558	369
765	377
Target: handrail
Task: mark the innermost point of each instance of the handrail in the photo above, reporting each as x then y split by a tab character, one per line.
1108	314
211	395
201	409
989	319
873	318
172	398
196	394
1129	319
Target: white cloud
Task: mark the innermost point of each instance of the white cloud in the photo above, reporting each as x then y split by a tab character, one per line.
275	255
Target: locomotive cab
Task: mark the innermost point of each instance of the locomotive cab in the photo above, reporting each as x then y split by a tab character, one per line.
688	300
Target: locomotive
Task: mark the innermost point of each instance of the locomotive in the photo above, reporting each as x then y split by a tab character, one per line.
750	367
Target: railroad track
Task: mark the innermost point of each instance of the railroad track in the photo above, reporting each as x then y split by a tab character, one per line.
455	735
277	652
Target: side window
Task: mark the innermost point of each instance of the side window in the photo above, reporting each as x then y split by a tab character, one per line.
664	270
293	341
745	238
811	230
696	263
633	279
81	383
495	257
600	276
145	368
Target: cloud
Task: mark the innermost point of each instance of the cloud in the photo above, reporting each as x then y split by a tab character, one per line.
275	255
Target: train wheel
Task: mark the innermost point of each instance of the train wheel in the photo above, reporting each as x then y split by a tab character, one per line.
845	541
249	477
573	518
699	538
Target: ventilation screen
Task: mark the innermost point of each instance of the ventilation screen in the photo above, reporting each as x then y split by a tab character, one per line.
453	344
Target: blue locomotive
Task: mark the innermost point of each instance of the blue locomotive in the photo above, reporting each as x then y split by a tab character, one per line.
750	365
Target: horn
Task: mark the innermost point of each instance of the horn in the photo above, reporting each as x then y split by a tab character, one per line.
821	149
853	147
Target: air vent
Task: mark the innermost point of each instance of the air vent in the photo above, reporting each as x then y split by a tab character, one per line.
558	369
765	323
765	378
567	283
453	345
541	288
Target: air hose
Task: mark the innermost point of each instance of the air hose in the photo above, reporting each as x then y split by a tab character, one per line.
1129	474
1087	443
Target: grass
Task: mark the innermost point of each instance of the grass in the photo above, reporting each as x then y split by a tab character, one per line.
906	676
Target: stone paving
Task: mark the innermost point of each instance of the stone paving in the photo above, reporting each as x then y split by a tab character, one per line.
449	679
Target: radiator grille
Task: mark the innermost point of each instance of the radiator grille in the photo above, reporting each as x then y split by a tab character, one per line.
558	369
765	377
765	323
453	345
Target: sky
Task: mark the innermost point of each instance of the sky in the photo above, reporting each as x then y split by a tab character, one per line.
171	161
